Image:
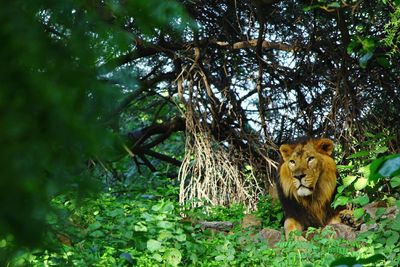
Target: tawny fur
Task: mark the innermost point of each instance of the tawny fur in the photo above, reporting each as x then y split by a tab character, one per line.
312	161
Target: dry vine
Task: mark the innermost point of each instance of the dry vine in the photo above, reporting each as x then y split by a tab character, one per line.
210	172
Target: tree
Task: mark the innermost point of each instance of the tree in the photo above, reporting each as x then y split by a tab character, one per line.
110	81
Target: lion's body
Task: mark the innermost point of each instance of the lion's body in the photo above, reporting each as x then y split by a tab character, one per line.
307	184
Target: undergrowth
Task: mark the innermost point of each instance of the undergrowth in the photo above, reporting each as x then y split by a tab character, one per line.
137	229
142	224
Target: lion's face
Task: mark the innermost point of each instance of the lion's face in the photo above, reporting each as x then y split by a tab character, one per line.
303	164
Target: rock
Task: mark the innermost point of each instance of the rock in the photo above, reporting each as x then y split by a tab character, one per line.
343	231
272	236
250	220
366	227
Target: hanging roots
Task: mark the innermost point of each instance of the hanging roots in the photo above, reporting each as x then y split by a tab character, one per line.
211	172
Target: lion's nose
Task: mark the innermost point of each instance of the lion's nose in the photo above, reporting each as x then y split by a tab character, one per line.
299	176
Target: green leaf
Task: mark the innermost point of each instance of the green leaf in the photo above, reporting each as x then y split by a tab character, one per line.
352	261
359	154
3	243
395	224
116	213
165	225
94	226
157	257
360	184
353	46
348	180
181	237
379	212
381	150
361	200
173	256
395	181
97	234
140	227
383	61
164	234
309	8
334	4
398	204
345	167
341	201
340	188
358	213
385	167
153	245
392	239
390	167
369	45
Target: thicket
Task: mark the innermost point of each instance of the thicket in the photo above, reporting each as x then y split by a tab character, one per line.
119	118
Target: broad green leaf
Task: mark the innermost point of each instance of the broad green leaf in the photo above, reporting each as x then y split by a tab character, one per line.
361	200
345	167
173	256
368	44
395	224
116	213
361	183
353	261
381	150
390	167
398	204
340	188
358	213
157	257
97	234
385	167
140	227
392	239
365	171
181	237
379	212
395	181
153	245
164	234
341	201
94	226
348	180
359	154
165	224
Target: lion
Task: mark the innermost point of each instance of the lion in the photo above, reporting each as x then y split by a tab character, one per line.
307	184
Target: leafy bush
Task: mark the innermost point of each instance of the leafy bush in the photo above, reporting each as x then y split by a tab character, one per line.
140	228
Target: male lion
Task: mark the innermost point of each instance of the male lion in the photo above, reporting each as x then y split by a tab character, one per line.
307	184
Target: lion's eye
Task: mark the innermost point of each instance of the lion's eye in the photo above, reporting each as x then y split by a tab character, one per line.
292	161
310	159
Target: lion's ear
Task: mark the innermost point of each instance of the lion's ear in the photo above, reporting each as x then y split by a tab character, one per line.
286	151
324	146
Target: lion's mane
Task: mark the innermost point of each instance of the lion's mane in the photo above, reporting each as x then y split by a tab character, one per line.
307	183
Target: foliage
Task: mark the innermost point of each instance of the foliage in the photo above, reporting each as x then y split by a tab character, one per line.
392	27
98	90
49	115
361	176
134	229
270	212
55	102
